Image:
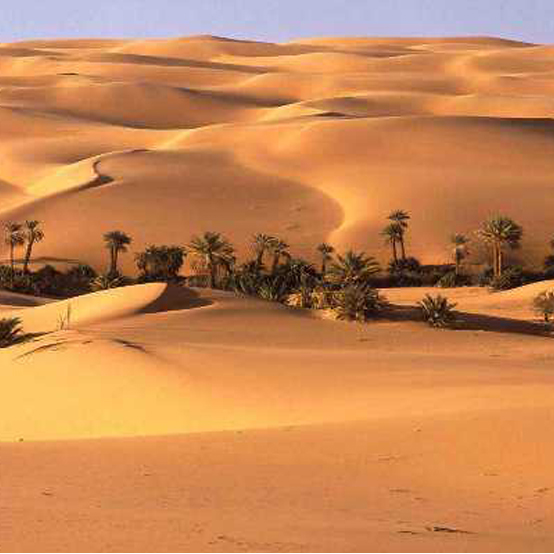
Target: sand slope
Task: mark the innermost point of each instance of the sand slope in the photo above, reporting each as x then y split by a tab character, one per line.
312	140
337	436
155	418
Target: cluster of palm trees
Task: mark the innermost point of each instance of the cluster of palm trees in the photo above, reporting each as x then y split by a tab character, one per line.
395	233
499	232
213	254
19	235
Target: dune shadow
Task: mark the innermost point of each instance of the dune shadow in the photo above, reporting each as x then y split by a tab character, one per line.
474	322
175	298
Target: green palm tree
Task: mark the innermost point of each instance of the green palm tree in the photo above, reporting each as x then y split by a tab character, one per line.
14	237
393	234
326	252
499	232
279	249
261	244
460	250
213	250
401	218
33	234
353	268
116	243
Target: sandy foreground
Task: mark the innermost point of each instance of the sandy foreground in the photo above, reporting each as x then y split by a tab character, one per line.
179	419
232	424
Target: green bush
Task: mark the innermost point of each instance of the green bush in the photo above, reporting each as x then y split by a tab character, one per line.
11	331
437	311
451	280
510	278
106	282
359	303
543	304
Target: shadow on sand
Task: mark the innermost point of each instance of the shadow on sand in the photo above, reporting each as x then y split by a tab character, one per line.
476	322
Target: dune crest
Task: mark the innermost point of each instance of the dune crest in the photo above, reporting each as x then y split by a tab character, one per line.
432	125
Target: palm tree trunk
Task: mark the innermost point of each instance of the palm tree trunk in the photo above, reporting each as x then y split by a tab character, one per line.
499	261
457	268
402	247
260	259
112	261
276	258
212	268
28	253
497	269
12	265
394	251
323	266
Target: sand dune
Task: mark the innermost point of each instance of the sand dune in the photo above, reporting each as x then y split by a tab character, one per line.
405	397
432	125
160	418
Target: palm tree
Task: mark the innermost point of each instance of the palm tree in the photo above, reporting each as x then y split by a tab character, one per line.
14	238
460	250
401	218
261	244
116	243
393	234
213	250
499	232
279	249
353	268
33	234
326	252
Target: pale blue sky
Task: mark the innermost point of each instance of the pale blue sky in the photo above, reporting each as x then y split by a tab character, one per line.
276	20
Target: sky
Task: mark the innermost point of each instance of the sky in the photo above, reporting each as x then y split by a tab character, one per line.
276	20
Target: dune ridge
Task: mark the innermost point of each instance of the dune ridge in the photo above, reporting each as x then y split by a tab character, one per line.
432	125
164	418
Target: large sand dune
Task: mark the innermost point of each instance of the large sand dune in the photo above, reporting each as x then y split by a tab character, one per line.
156	418
288	431
312	140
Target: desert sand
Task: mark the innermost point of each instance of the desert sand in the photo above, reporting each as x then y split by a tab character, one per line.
158	418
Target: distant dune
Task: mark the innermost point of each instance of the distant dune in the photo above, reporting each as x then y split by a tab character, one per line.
311	140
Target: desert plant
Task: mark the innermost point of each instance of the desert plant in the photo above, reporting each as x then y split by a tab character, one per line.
213	250
358	302
107	281
262	244
437	311
453	279
460	250
14	237
160	262
404	265
279	249
32	233
117	243
393	234
352	268
510	278
400	219
11	331
543	304
499	232
326	253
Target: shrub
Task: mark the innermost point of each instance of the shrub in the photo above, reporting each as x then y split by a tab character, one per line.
105	282
160	263
11	331
451	280
437	311
401	266
543	304
359	303
510	278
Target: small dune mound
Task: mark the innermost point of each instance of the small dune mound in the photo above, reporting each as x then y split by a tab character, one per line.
107	305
